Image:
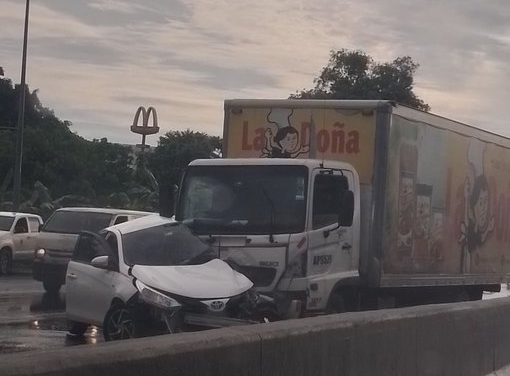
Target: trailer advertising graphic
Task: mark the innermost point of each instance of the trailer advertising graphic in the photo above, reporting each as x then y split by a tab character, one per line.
448	202
346	135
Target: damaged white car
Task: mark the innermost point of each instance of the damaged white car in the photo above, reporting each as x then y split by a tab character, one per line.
152	275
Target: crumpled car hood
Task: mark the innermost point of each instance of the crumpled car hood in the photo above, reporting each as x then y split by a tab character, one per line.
214	279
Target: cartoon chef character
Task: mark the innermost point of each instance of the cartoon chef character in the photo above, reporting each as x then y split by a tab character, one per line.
285	144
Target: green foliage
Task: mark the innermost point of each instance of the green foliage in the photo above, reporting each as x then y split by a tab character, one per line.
61	168
355	75
64	163
176	149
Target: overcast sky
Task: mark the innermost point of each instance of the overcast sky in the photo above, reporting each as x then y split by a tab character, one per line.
95	61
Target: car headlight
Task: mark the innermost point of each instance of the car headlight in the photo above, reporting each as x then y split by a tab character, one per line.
40	253
156	298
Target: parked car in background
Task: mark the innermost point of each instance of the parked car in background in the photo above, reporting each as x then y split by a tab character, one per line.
152	275
18	235
58	237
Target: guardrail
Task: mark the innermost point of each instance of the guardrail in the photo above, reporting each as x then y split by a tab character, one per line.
464	339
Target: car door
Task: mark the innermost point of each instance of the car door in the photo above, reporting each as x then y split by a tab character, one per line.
89	289
20	239
33	233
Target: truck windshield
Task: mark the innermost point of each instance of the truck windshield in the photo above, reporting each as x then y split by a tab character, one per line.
244	199
5	223
70	222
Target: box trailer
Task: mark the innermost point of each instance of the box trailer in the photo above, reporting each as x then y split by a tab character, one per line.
354	204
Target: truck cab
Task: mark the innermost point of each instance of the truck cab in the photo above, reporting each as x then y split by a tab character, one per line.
290	225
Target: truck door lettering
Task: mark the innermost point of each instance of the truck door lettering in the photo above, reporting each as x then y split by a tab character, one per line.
322	259
314	302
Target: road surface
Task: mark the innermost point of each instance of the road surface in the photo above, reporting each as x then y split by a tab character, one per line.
30	319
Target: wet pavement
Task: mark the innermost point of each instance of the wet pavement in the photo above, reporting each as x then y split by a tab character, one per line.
30	319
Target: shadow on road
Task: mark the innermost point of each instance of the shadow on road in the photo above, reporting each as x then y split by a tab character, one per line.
48	303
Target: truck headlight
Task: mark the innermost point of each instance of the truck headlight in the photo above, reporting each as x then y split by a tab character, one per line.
40	253
155	298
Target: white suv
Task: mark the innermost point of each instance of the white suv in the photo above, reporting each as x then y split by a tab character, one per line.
58	236
18	234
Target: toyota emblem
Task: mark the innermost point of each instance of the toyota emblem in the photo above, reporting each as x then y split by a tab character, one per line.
217	305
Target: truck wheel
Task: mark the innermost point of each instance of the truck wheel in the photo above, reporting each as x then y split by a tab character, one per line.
342	300
336	303
5	261
51	286
76	328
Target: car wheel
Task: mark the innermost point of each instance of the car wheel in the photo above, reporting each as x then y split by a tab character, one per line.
76	328
51	286
119	323
5	261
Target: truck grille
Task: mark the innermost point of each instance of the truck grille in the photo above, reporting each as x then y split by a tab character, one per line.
261	277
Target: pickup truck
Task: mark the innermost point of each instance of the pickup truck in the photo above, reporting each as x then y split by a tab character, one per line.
18	235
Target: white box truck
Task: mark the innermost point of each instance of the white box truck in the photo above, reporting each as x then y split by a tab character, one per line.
343	205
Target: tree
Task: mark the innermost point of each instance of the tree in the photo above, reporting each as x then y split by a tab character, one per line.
62	168
178	148
54	156
355	75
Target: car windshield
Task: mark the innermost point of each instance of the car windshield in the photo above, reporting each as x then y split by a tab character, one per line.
5	223
167	244
70	222
244	199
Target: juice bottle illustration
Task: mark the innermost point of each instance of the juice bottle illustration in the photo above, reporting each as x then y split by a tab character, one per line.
421	228
406	199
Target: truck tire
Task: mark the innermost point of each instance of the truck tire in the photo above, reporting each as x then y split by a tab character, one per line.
342	299
51	286
5	261
336	303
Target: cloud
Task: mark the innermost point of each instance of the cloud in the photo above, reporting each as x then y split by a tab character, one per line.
96	61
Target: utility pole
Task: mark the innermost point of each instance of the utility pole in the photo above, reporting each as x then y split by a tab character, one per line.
21	116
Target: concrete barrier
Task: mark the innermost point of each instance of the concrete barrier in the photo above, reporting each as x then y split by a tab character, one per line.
466	339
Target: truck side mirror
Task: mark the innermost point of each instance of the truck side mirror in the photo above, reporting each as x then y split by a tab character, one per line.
346	209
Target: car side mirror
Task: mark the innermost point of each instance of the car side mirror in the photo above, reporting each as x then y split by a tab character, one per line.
101	262
346	209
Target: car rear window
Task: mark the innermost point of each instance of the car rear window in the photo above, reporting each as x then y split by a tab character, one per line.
69	222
